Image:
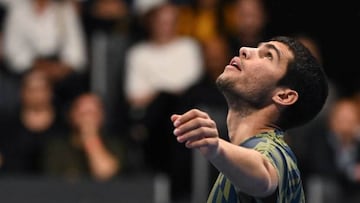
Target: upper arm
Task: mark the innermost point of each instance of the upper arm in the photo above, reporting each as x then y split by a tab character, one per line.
274	162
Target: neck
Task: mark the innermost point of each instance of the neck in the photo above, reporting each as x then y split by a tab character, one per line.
37	107
163	40
243	124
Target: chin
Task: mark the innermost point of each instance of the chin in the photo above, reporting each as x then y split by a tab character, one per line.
224	83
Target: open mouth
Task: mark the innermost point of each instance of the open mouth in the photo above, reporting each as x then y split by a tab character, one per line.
235	64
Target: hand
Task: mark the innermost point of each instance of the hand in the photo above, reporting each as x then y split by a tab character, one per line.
197	130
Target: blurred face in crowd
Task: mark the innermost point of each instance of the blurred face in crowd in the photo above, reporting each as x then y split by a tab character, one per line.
250	16
109	9
344	119
163	23
216	54
87	109
36	90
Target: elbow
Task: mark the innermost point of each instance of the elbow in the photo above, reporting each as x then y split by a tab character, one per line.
268	184
265	184
268	188
270	181
261	188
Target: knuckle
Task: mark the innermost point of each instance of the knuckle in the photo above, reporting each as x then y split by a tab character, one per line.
202	132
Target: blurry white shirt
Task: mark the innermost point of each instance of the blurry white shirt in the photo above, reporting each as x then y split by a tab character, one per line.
57	31
172	67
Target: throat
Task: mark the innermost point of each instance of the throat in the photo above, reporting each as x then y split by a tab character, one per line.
248	123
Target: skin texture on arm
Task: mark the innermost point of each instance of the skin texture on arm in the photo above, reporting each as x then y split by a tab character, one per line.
247	169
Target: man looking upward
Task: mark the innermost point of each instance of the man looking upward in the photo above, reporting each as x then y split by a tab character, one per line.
269	89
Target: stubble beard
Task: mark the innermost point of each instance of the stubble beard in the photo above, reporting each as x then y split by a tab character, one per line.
245	102
227	88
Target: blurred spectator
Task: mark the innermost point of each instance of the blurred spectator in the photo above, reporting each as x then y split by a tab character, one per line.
247	23
201	19
39	31
9	83
333	156
303	138
25	133
86	151
108	32
46	35
344	124
158	70
165	62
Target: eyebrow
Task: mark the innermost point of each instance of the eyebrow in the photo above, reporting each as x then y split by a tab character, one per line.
273	47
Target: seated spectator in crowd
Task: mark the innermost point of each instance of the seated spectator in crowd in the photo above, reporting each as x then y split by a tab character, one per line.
25	134
344	127
202	19
108	32
9	83
247	24
86	152
159	69
333	157
46	35
163	62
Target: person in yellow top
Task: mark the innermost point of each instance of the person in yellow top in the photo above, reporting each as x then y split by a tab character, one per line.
201	20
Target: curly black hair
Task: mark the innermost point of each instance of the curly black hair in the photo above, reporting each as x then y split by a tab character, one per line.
305	75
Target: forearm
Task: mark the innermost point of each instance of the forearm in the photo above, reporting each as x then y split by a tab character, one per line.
247	169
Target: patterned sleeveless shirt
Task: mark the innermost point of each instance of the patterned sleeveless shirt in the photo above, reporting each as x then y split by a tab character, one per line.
272	145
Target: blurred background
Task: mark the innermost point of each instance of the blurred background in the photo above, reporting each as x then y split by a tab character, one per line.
87	88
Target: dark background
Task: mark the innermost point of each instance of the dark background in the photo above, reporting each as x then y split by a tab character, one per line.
334	25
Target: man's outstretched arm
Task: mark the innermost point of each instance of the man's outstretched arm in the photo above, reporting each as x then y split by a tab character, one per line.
248	170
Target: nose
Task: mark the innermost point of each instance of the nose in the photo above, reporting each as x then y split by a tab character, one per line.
246	52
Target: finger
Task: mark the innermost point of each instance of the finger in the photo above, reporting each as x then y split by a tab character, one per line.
194	124
198	133
197	143
189	116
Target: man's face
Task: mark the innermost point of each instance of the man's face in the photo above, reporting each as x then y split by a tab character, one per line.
252	76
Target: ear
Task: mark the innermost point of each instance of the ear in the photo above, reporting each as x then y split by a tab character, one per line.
285	97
